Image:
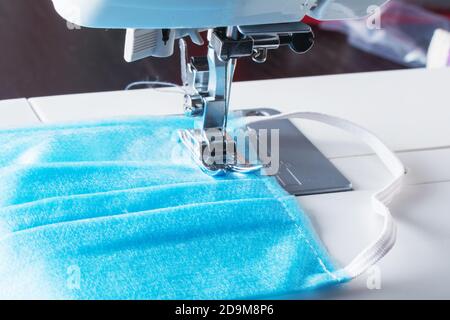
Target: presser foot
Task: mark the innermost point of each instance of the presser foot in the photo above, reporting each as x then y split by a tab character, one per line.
301	169
215	152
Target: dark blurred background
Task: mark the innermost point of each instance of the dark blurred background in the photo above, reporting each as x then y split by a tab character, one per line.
41	56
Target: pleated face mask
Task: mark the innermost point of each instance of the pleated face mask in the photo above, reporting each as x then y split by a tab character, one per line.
117	210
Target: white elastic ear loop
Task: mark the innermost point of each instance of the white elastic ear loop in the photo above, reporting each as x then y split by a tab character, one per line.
380	200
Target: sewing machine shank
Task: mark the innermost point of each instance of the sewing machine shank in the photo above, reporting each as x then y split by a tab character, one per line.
208	81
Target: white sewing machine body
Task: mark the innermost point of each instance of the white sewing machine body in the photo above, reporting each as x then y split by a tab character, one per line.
236	29
171	14
418	266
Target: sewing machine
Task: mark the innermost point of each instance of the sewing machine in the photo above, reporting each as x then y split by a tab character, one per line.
236	29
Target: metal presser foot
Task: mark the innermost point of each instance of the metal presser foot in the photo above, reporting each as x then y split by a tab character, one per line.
207	80
217	153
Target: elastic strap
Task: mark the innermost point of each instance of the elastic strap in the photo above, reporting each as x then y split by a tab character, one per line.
380	200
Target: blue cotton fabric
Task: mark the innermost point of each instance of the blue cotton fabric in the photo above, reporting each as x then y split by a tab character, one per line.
118	210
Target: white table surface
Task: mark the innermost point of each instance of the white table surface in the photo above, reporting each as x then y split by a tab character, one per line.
16	112
409	110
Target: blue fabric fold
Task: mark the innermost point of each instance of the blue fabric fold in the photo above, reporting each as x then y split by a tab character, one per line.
118	210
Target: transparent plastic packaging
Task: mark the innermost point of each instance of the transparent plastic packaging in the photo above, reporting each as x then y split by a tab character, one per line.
399	32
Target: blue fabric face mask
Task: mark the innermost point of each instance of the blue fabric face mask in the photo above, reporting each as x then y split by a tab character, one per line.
117	210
